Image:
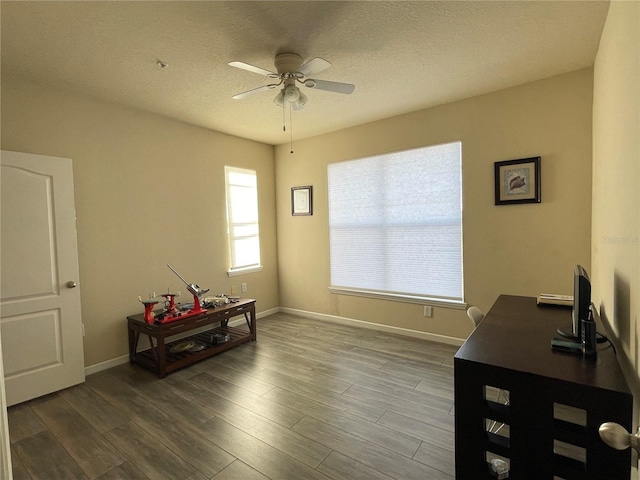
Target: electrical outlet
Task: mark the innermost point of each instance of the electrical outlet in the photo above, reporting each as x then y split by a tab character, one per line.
243	287
428	311
234	289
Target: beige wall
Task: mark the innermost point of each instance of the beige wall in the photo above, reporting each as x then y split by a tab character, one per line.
149	191
515	249
616	176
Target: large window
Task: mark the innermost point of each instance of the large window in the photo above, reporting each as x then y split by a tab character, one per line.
242	220
395	225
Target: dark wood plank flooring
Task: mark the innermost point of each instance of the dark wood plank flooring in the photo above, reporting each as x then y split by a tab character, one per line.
308	400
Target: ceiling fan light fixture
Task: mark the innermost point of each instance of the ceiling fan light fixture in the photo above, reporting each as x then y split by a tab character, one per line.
302	99
279	100
292	93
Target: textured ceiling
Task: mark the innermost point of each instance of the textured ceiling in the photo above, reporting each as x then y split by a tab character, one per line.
402	56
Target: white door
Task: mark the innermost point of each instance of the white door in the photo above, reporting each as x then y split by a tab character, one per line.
40	325
5	449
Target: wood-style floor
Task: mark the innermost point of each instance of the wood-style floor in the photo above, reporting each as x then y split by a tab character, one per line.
308	400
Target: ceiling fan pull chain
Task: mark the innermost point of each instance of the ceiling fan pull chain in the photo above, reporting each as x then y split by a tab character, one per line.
291	128
284	119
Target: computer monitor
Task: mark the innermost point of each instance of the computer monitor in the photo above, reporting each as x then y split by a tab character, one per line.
581	303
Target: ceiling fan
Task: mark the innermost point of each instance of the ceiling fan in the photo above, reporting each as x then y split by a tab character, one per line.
290	70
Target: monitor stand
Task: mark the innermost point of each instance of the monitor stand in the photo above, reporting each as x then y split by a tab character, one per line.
567	332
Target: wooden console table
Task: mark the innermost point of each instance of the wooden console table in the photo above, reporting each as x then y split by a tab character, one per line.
511	350
158	357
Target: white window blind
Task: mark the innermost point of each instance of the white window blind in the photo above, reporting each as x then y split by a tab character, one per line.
242	219
395	224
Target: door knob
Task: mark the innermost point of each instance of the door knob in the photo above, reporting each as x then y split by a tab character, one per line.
71	284
616	436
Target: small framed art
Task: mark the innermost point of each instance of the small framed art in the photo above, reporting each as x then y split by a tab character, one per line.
302	200
517	181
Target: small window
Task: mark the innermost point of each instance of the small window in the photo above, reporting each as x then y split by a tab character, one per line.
395	225
243	230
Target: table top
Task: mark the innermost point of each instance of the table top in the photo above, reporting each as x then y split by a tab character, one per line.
516	334
139	318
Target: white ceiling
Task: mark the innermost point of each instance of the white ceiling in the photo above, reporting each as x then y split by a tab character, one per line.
402	56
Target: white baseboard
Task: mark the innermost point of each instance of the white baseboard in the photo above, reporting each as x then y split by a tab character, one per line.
98	367
266	313
434	337
114	362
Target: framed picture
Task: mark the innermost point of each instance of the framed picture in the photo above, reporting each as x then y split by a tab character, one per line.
302	200
517	181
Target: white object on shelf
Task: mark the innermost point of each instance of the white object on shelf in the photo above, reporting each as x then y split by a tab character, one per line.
553	299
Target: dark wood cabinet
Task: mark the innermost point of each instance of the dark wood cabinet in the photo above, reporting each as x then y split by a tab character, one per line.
159	357
557	400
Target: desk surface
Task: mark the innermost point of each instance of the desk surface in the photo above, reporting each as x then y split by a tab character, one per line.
516	334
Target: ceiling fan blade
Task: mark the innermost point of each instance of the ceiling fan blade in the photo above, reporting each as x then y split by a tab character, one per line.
271	86
254	69
314	66
336	87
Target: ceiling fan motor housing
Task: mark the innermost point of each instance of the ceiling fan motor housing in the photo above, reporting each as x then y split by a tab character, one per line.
287	63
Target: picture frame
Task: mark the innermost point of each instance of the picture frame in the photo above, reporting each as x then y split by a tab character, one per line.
517	181
302	200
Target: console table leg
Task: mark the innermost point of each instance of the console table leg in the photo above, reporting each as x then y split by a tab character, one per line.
133	344
251	322
153	348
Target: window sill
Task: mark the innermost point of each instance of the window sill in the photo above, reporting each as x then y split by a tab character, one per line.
404	298
242	271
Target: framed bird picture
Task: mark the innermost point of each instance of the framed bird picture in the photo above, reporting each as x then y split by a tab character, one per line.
517	181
